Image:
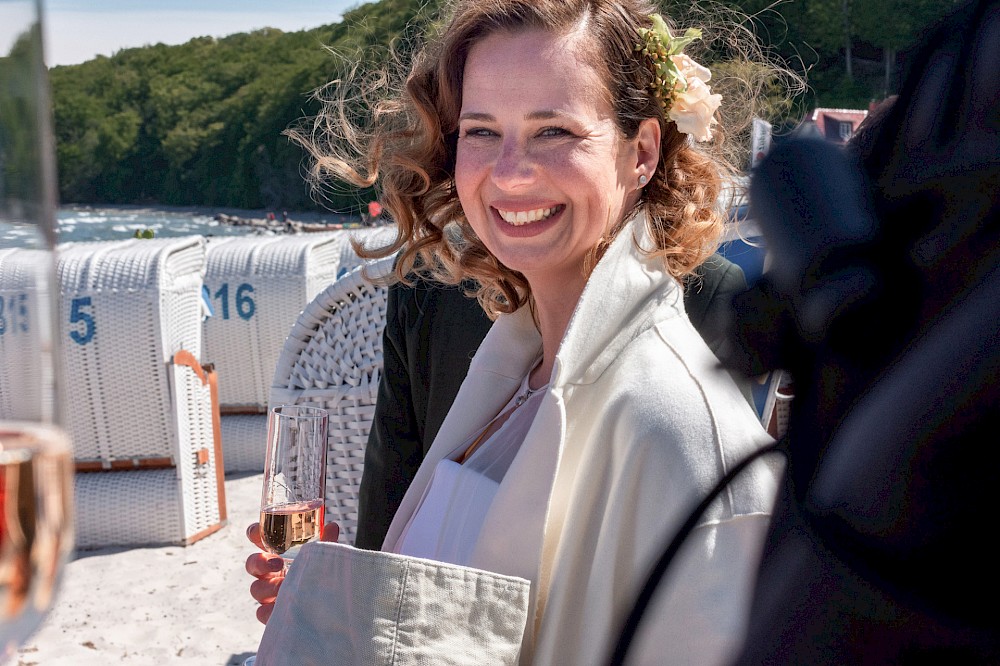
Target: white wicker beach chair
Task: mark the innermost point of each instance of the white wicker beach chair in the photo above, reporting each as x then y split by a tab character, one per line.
128	307
143	425
244	438
24	278
243	432
333	359
368	237
257	285
174	500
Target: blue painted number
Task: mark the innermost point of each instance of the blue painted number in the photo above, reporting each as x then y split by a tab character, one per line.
77	315
14	314
245	306
223	296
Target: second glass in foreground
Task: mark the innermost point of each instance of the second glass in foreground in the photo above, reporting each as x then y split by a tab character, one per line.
36	467
292	501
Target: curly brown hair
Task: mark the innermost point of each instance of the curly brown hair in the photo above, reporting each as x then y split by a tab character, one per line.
409	148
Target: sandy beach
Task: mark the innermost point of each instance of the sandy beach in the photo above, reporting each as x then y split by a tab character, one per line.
161	605
169	604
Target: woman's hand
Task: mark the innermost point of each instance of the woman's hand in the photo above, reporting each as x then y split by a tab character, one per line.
269	570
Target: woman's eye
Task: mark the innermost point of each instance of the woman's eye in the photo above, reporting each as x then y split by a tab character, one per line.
479	132
554	131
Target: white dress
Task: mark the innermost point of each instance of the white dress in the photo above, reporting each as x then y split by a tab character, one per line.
446	525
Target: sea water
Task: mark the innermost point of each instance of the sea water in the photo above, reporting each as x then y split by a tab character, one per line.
86	223
90	224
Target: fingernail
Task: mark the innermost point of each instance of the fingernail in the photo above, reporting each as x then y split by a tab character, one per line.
276	564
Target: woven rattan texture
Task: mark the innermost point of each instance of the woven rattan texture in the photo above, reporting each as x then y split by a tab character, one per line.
128	508
244	439
333	359
24	328
373	237
126	307
162	506
193	424
257	286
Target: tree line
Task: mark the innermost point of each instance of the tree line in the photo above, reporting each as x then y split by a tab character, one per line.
20	171
201	123
854	51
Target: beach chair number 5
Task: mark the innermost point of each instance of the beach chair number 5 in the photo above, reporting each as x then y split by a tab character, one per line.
245	307
77	315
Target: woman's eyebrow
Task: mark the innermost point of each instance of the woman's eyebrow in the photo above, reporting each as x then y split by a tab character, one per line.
534	115
484	117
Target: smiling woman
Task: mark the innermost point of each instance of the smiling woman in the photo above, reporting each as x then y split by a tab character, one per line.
541	170
566	156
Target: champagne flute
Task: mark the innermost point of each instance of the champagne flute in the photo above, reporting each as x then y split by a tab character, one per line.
36	472
292	505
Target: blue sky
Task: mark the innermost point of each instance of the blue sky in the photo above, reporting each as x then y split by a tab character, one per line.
77	30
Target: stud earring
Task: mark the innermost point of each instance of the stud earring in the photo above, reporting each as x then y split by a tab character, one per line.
643	180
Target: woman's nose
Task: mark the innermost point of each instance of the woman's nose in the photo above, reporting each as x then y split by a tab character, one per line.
514	166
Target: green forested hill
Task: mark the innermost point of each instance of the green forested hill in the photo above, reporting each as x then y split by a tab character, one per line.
200	123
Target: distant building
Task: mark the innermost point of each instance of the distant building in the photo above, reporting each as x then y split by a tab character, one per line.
837	125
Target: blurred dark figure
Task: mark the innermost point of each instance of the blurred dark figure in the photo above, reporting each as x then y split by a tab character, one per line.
885	307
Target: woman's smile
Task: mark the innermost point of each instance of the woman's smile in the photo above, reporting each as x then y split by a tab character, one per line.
526	223
522	217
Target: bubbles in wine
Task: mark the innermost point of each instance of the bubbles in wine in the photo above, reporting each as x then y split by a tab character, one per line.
287	526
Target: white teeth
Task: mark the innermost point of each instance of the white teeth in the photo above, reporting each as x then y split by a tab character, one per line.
526	216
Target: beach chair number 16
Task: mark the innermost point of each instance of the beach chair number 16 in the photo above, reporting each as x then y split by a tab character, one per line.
245	306
77	315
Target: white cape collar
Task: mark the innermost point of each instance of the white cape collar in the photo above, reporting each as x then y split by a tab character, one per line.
626	293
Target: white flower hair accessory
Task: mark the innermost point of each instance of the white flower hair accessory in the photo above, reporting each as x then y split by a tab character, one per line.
680	83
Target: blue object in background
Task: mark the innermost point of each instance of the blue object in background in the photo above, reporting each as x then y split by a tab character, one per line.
746	252
206	303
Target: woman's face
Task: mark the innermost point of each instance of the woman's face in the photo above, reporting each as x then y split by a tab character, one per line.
541	169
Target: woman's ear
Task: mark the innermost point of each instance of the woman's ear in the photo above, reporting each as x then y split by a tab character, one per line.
647	143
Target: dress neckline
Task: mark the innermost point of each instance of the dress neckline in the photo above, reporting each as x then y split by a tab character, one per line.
521	396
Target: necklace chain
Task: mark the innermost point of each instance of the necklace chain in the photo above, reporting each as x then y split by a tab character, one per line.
523	398
520	400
